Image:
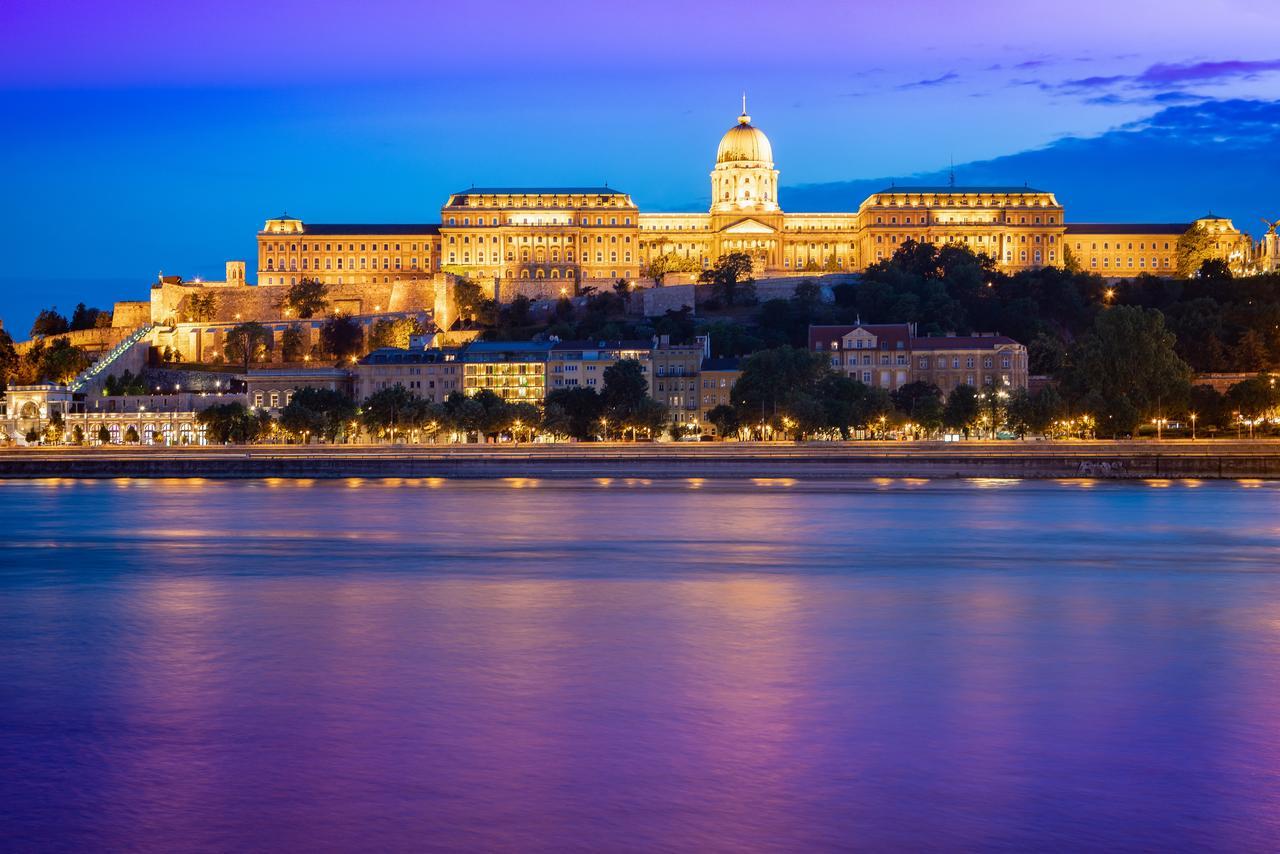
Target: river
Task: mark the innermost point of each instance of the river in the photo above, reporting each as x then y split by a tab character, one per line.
408	665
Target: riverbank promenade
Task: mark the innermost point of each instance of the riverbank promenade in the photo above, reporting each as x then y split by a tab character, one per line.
807	460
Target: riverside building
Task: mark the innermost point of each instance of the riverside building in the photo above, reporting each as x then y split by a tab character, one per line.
891	355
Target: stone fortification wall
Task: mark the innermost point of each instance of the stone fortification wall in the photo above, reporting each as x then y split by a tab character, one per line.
658	301
91	340
131	314
170	303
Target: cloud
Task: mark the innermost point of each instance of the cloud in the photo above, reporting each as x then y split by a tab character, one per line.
1031	63
1172	74
949	77
1096	82
1168	77
1170	166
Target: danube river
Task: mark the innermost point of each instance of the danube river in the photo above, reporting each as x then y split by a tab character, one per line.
626	666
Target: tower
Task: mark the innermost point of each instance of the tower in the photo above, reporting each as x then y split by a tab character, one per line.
744	180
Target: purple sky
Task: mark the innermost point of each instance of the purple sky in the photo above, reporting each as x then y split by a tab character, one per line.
161	134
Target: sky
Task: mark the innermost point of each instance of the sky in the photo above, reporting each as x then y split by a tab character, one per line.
144	136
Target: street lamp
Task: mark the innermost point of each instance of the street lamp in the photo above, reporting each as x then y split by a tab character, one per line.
1193	426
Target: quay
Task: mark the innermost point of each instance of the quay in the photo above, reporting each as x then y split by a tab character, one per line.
1217	459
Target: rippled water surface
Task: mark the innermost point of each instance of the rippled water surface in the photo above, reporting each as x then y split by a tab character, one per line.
627	666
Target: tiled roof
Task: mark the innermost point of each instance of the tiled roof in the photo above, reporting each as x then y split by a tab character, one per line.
540	191
958	191
370	228
638	344
396	356
890	333
961	342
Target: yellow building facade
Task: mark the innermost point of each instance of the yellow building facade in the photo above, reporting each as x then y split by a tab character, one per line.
550	241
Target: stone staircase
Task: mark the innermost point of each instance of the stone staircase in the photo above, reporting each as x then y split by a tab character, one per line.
96	372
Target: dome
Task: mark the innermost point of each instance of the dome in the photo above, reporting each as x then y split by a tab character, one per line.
744	142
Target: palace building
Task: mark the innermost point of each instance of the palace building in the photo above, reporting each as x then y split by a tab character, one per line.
549	241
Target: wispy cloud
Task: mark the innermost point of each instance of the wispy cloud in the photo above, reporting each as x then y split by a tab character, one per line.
1172	74
949	77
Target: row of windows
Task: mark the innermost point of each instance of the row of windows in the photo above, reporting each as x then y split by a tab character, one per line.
1018	202
971	238
329	263
906	220
466	238
1107	245
349	247
1142	263
568	220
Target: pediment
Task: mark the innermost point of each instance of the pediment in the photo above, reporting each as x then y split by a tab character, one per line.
748	226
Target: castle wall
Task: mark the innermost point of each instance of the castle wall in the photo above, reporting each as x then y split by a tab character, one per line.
131	314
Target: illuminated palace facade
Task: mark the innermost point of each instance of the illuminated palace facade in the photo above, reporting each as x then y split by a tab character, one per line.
544	241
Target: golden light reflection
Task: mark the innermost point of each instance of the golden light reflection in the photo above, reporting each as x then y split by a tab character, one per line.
696	482
774	481
604	481
354	482
882	481
435	482
1250	482
520	482
993	482
1159	483
915	481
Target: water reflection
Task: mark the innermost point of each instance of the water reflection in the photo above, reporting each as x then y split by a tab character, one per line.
691	665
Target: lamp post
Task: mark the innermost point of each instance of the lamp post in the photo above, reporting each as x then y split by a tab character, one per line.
1193	426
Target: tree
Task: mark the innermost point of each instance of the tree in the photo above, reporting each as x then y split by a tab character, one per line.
1020	412
523	419
1251	353
772	380
725	419
292	345
1195	246
1209	408
472	304
730	278
1214	270
582	409
1253	398
660	265
201	308
89	318
390	410
131	436
307	297
126	384
49	322
1125	370
394	331
993	408
625	387
104	435
61	361
77	435
554	421
341	337
808	293
318	412
246	342
648	417
961	410
231	422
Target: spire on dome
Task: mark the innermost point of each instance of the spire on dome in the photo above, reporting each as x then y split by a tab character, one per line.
744	119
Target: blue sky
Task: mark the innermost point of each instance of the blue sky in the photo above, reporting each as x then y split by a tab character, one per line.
149	136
